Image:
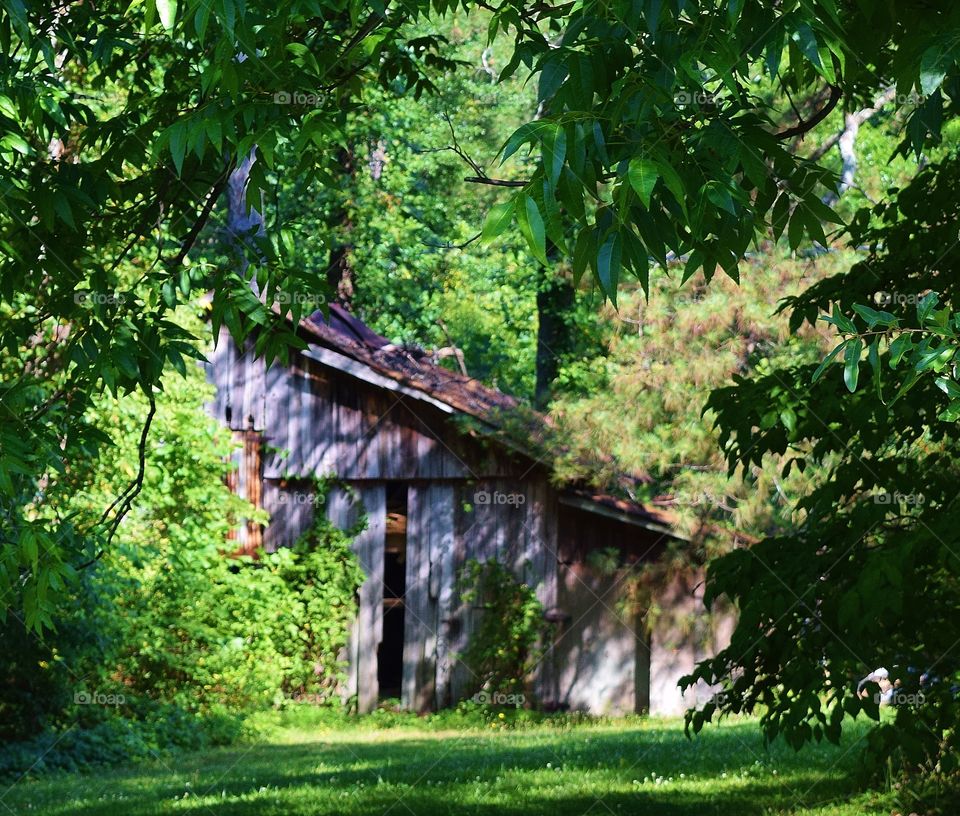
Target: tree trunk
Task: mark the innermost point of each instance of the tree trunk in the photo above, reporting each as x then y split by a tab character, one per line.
555	300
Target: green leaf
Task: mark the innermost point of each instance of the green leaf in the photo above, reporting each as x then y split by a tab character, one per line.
15	141
874	318
554	148
178	145
898	348
28	545
933	68
873	357
523	135
167	9
827	360
608	266
720	196
673	183
789	419
949	387
796	229
840	320
643	175
583	250
498	219
851	363
780	216
532	228
926	306
951	413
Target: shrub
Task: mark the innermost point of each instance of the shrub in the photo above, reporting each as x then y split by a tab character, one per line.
191	639
507	643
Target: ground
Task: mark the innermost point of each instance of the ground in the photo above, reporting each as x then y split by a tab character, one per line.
298	767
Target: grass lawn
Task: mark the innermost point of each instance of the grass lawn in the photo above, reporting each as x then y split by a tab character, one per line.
622	767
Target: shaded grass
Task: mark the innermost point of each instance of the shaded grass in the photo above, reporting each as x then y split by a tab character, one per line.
549	769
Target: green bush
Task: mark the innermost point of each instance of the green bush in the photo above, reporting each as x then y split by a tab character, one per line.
183	640
315	588
506	645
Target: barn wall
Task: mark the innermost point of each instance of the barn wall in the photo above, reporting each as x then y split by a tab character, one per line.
319	421
598	650
514	522
683	634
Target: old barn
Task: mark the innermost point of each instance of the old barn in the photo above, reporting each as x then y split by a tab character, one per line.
420	448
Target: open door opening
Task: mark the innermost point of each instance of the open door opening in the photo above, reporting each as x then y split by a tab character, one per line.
390	651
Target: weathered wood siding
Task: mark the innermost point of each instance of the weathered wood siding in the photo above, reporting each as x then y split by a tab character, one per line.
598	648
513	522
684	635
317	420
344	508
603	655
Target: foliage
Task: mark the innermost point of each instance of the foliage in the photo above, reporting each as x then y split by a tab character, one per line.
647	412
668	146
168	641
406	221
868	578
928	348
120	128
506	644
314	589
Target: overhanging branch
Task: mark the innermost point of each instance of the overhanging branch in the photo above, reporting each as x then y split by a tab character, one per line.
805	126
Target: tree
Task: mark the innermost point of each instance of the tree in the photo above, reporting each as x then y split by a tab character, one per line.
868	578
121	128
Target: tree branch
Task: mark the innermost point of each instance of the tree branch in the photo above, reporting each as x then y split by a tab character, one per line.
803	127
124	501
495	182
860	117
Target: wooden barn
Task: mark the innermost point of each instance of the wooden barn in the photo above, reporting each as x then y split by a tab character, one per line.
421	450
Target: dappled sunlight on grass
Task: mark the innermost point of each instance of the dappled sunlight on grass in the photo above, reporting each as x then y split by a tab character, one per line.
629	767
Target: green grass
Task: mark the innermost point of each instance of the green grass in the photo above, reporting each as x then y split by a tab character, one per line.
308	765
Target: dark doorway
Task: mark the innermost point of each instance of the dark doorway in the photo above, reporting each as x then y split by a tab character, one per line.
390	652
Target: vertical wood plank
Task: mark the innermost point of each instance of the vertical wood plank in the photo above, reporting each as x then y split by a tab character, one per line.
420	635
442	564
369	546
367	632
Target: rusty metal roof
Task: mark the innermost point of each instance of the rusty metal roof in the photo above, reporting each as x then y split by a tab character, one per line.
343	333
